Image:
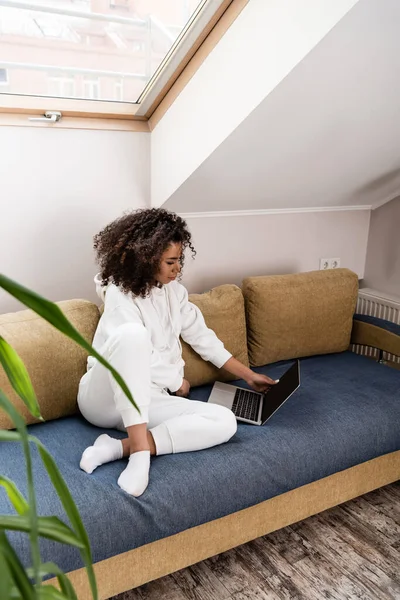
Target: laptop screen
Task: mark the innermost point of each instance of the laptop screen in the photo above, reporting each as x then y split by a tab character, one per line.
279	393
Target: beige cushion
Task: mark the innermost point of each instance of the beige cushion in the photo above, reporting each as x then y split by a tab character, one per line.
223	311
55	363
304	314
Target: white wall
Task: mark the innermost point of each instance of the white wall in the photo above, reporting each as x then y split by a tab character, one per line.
58	189
231	248
261	47
382	269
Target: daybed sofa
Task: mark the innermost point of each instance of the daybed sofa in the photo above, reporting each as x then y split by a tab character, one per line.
336	438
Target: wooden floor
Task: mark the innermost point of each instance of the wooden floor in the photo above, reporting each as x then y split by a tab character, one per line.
351	551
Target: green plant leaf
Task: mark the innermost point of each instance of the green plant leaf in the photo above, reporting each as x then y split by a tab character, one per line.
66	499
5	577
19	377
9	436
51	568
71	510
53	315
16	569
18	421
49	592
15	496
51	528
9	408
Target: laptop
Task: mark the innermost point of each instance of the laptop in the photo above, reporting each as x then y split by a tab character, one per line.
255	407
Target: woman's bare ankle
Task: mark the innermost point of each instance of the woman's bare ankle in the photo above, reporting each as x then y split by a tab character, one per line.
139	449
126	447
152	445
140	439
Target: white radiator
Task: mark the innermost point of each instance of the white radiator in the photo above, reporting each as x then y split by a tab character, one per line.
373	303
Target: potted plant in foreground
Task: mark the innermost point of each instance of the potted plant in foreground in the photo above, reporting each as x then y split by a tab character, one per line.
16	582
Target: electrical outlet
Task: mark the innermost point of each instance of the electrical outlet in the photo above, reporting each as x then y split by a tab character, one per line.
329	263
324	264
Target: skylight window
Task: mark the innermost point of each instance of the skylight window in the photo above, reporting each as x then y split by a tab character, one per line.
105	50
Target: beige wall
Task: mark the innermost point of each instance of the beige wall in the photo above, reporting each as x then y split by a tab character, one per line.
59	188
382	270
231	248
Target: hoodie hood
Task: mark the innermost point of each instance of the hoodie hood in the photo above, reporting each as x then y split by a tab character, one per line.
100	288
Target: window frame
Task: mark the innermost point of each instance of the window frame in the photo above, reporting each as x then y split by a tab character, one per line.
148	111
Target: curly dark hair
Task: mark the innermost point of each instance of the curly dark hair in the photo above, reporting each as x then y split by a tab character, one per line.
129	249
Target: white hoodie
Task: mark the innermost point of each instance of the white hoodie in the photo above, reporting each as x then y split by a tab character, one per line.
166	314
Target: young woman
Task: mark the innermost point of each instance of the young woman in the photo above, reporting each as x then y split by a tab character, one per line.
146	310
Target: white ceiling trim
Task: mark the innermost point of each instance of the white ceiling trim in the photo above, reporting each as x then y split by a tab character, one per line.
270	211
379	203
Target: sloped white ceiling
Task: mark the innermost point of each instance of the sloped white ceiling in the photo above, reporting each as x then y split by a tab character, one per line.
328	135
263	44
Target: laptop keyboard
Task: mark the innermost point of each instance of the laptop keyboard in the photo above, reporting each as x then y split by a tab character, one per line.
246	405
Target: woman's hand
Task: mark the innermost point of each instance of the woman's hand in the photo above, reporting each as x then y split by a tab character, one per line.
260	383
184	390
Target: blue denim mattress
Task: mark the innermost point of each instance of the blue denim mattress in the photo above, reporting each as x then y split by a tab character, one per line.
347	411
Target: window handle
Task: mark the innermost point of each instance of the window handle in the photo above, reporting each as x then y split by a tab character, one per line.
50	116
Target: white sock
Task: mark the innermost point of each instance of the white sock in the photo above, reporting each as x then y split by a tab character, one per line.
104	450
135	478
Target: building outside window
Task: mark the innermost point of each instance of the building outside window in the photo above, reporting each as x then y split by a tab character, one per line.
91	88
61	85
119	90
3	77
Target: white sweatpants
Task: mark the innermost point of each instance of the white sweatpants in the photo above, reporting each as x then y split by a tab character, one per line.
177	424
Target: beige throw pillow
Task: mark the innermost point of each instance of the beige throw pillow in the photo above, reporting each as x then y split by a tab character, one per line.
304	314
54	362
223	312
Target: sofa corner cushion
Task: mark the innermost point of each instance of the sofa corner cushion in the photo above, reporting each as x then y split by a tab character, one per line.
54	362
303	314
223	311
